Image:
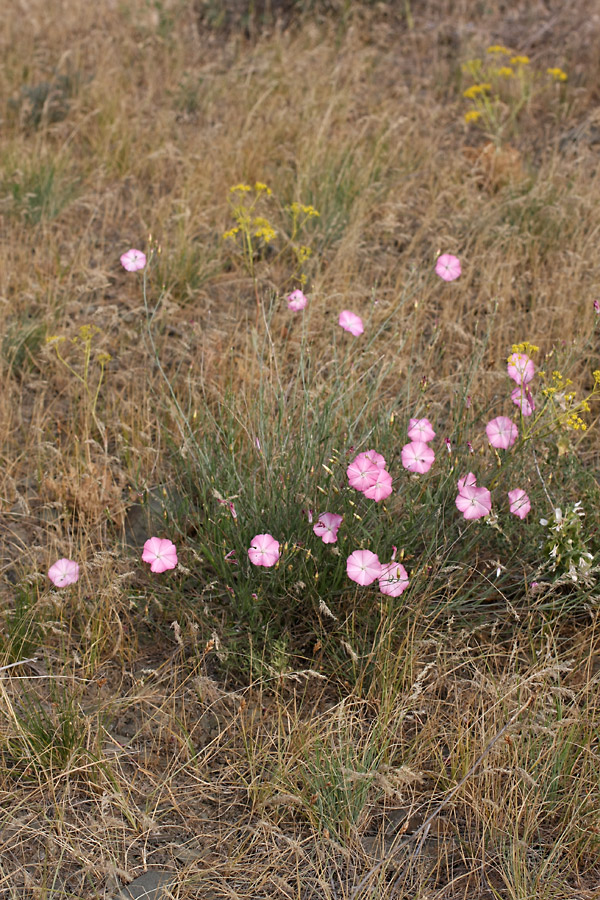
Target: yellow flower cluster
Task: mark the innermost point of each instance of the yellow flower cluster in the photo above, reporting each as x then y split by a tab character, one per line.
499	48
525	347
506	72
520	60
302	254
575	422
310	211
472	115
263	229
557	73
475	90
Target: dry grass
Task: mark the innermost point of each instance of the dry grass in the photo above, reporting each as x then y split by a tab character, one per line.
124	745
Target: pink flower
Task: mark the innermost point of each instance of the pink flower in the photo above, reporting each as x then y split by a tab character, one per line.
417	457
501	432
363	567
161	553
520	503
448	267
520	368
63	572
374	457
468	481
133	260
521	396
351	322
297	301
420	430
362	473
264	550
382	487
393	579
326	527
448	445
474	502
597	307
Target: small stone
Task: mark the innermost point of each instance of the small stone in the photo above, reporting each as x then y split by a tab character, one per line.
152	885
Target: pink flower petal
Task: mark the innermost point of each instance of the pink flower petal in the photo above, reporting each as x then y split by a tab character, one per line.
363	566
520	503
362	473
393	579
264	550
501	432
417	457
521	396
520	368
468	481
296	301
63	572
351	322
448	267
382	487
373	457
133	260
420	430
161	553
326	527
474	502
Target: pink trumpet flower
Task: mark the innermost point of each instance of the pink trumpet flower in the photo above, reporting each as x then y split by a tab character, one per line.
351	322
382	487
326	527
296	301
420	430
521	396
63	572
501	432
520	368
520	503
133	260
474	502
161	553
448	267
373	457
393	579
363	566
417	457
362	473
264	550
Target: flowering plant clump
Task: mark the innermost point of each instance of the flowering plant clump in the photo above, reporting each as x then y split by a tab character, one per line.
503	86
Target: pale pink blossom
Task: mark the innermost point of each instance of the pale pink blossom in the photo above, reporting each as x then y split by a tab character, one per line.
448	445
448	267
501	432
373	457
363	566
474	502
520	368
326	527
520	503
63	572
393	579
417	457
133	260
296	301
264	550
468	481
362	473
420	430
351	322
521	396
161	553
382	487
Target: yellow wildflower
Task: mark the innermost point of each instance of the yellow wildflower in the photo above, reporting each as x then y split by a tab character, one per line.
239	187
520	60
525	347
475	90
557	73
230	233
261	186
498	48
506	72
472	115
